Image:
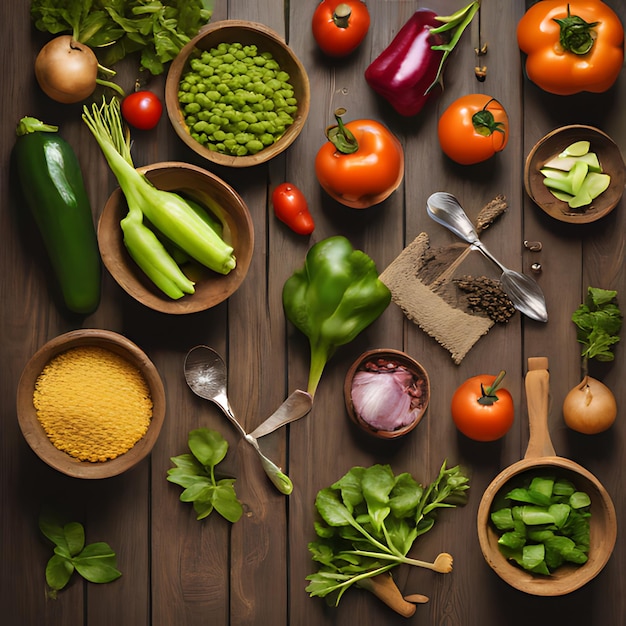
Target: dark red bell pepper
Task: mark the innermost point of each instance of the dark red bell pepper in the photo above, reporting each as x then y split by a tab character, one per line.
410	70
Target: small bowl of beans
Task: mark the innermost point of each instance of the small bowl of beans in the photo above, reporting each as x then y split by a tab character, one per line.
237	94
386	392
90	403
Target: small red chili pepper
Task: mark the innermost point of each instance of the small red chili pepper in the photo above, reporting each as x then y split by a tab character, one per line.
291	207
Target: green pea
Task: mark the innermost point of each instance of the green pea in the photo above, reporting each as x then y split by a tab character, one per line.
266	139
257	128
254	145
192	107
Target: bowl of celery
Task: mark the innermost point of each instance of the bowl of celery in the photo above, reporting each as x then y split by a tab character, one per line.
191	254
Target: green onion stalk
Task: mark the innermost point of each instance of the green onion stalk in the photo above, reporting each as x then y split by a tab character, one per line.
167	211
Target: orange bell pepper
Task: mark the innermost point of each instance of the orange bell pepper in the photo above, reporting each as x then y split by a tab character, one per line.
572	46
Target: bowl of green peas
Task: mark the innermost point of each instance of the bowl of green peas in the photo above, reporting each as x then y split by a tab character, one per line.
237	94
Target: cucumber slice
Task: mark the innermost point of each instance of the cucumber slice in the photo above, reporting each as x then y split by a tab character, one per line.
576	149
578	174
593	185
566	163
561	195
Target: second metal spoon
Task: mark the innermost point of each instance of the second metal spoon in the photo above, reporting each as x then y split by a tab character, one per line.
206	375
523	291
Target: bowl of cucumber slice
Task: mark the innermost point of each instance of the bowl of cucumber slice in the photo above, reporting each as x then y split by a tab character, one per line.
575	174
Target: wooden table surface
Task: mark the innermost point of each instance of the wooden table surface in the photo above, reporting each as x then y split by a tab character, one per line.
179	571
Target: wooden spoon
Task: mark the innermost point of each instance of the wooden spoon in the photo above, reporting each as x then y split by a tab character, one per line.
540	458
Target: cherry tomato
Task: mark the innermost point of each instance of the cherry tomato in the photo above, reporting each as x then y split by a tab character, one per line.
361	164
142	109
339	26
473	128
291	207
482	410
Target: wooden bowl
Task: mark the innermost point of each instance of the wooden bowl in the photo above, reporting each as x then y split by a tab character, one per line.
553	144
246	33
541	459
34	432
384	355
211	288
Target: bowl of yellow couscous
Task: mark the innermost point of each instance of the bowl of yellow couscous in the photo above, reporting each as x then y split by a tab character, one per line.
90	403
237	94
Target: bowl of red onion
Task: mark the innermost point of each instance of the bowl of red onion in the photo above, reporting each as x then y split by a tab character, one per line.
386	392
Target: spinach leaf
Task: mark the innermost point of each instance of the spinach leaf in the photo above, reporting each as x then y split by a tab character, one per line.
369	520
195	472
157	29
95	562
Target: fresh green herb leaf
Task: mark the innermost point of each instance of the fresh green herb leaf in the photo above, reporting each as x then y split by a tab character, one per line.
195	472
598	321
369	522
59	570
95	562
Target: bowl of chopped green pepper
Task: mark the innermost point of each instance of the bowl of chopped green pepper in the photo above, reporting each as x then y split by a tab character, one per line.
546	525
237	94
575	174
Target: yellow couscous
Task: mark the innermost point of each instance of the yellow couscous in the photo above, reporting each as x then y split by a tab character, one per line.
93	403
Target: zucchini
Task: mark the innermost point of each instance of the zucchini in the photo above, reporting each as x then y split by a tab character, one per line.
51	183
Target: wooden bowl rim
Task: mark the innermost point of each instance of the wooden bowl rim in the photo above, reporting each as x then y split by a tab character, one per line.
567	579
131	278
404	359
173	109
33	430
556	208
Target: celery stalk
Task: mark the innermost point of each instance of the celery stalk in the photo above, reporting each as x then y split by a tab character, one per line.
167	211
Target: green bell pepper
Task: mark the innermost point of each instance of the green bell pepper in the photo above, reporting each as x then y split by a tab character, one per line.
335	296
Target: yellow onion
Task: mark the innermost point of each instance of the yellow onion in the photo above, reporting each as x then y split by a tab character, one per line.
590	407
66	70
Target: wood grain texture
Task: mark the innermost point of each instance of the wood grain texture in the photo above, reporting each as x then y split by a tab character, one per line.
179	571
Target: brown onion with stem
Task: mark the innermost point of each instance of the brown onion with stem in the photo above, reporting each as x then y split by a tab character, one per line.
67	70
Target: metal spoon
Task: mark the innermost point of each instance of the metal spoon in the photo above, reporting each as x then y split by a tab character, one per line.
206	375
524	292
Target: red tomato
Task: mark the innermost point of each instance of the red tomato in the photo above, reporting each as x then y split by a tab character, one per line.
142	109
361	164
291	207
481	410
339	26
473	128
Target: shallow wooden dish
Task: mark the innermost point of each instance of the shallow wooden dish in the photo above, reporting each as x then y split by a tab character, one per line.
246	33
36	436
211	288
541	459
553	144
402	359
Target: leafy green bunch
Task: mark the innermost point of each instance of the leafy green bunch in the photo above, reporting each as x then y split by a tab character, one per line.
370	519
598	322
158	29
95	562
195	472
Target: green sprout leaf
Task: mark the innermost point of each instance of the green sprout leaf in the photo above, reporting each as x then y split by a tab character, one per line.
195	473
95	562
